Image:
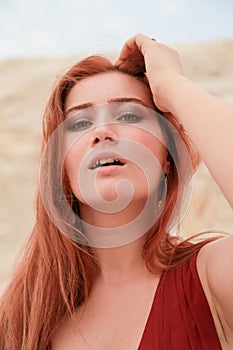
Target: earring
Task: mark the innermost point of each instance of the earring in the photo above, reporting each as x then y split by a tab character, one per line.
162	189
159	205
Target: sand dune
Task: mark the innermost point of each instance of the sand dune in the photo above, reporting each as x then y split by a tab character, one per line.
25	85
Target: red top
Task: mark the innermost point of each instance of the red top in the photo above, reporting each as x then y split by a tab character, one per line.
180	317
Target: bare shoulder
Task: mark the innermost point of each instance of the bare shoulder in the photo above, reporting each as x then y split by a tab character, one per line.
215	269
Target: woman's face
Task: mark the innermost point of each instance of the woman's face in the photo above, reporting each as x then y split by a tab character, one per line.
111	136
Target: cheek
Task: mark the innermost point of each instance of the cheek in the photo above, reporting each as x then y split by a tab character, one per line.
147	172
149	142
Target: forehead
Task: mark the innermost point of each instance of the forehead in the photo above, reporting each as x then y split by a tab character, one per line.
103	87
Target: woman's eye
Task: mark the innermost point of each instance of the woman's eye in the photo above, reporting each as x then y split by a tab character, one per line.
80	125
130	118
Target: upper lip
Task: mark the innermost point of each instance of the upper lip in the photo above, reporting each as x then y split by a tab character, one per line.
105	156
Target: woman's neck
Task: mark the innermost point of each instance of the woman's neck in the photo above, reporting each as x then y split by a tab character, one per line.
108	230
120	264
117	261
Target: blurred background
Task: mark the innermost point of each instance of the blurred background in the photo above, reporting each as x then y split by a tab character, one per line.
41	39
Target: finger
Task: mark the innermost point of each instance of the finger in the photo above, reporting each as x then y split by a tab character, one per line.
133	44
126	50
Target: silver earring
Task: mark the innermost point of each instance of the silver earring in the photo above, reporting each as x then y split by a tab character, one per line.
159	205
164	185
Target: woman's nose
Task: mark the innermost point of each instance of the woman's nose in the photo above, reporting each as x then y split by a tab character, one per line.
102	134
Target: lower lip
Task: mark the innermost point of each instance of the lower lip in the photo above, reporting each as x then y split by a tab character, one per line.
109	169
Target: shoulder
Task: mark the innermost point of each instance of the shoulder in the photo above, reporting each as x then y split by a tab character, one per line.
214	266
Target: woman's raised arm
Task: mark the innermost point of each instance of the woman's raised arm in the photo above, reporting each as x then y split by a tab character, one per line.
207	121
209	124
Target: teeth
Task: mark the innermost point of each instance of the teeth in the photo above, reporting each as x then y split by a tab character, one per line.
103	161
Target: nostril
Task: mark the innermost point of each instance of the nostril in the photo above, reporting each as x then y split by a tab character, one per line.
109	139
96	140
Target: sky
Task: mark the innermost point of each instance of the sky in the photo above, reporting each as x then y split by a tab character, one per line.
30	28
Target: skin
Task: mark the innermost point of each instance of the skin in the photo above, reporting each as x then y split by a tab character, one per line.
114	87
123	278
209	124
204	118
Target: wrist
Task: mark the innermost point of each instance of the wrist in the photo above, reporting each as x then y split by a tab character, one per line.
169	95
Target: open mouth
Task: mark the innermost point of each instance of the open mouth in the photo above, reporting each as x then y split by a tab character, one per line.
107	162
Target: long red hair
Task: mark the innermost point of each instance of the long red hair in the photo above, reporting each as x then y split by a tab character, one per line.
55	274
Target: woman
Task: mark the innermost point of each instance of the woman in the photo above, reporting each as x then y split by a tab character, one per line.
80	285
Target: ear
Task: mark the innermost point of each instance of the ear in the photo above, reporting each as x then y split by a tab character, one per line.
166	165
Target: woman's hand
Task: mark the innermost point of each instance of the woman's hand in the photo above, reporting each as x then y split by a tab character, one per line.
161	64
207	121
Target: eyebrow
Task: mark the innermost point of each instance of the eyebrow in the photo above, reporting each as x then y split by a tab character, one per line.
116	99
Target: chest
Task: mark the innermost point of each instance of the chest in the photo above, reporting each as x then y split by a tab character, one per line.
172	315
113	320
